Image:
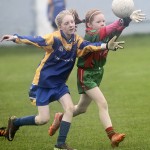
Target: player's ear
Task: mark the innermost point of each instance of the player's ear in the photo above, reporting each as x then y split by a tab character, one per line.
89	25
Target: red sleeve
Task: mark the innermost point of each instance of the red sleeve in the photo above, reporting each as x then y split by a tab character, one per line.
102	33
116	26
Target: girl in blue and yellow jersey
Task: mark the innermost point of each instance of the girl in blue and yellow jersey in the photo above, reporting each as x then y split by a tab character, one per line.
61	49
33	87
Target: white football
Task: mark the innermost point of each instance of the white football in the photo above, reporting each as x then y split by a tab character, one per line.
122	8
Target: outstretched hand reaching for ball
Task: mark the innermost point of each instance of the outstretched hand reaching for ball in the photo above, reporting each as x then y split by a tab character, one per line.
137	16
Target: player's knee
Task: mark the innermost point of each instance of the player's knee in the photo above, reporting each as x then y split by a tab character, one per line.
42	120
103	105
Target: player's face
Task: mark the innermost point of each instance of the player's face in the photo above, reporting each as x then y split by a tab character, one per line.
98	22
68	25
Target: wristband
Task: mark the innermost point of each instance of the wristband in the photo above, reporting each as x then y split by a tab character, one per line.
104	46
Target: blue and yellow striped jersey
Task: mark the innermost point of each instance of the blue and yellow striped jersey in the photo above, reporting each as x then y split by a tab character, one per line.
60	56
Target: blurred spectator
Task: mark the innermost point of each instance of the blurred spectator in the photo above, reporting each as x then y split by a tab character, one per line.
54	7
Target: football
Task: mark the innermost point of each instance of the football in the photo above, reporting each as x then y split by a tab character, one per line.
122	8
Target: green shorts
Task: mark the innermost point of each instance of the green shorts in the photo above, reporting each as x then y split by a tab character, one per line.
88	79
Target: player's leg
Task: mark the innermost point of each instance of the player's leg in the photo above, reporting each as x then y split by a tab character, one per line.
43	95
68	107
14	123
82	105
80	108
101	102
43	116
65	124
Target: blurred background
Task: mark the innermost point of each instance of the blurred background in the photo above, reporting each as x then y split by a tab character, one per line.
29	17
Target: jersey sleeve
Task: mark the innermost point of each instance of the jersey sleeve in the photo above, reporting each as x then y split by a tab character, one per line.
114	28
84	47
44	42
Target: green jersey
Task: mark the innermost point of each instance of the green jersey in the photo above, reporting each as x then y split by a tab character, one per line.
91	66
94	60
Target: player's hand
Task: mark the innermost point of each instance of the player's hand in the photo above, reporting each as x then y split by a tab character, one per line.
114	45
137	16
8	38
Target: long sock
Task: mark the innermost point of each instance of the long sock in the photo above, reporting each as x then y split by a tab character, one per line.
2	131
64	129
110	132
29	120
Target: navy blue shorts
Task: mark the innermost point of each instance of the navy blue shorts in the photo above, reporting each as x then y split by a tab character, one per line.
32	92
44	96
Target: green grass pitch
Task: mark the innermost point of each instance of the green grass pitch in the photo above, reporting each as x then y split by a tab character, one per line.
126	86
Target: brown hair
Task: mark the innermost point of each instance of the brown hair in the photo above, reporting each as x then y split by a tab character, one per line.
76	16
90	15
